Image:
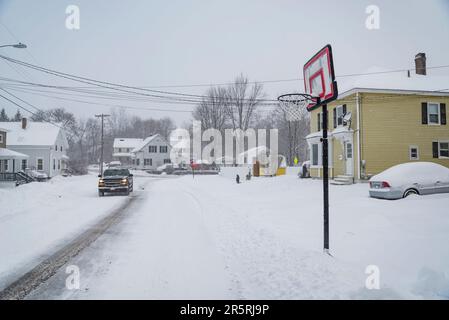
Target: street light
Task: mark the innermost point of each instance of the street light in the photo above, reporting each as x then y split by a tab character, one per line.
17	46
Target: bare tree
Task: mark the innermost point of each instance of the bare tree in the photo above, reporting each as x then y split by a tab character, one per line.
243	101
212	110
292	134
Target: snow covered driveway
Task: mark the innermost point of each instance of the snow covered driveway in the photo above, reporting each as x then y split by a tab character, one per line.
209	238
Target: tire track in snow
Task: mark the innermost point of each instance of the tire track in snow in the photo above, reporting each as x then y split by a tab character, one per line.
21	287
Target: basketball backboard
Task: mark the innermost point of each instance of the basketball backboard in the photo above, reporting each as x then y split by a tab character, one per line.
319	78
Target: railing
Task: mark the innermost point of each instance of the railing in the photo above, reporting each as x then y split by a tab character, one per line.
18	177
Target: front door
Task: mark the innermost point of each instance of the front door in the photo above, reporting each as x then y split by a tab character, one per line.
349	160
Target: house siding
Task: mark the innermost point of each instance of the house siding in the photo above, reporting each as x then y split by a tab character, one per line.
392	124
338	164
389	125
157	158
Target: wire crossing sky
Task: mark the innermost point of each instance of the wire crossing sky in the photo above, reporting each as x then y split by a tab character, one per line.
186	45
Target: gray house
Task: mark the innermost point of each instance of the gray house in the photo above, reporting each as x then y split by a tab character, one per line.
151	153
44	143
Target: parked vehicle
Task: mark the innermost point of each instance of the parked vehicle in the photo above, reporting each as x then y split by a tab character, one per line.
405	179
115	180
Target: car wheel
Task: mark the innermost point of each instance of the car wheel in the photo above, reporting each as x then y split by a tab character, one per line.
127	192
410	191
100	193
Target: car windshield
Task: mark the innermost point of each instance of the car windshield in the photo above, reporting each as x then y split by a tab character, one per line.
116	172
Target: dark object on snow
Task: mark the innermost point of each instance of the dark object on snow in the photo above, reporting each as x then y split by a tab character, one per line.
248	176
305	171
237	178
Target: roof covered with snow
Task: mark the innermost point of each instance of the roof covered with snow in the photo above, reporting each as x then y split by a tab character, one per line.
383	79
35	134
127	142
9	154
146	142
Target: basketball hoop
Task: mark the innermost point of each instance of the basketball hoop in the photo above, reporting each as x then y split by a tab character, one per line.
292	103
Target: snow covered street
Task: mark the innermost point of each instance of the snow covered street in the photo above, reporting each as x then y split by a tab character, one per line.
208	238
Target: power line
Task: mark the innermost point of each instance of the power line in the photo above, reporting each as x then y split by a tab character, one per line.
113	86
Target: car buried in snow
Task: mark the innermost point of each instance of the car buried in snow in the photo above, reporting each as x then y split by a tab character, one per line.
115	180
419	178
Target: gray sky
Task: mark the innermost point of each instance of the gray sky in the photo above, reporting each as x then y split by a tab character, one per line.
159	43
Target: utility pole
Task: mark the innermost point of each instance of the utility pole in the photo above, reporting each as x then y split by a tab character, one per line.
102	116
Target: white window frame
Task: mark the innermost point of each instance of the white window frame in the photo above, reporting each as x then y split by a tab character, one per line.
37	164
438	113
410	153
6	165
439	149
318	162
340	107
26	164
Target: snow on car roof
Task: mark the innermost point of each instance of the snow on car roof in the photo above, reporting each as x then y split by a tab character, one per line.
419	172
127	142
35	134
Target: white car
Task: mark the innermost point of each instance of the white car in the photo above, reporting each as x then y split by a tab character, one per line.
405	179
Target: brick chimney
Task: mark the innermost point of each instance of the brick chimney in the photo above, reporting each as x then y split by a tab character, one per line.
24	123
420	64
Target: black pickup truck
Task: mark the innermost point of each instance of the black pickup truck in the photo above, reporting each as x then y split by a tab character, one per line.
115	180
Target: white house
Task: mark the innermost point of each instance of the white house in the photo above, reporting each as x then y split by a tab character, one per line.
44	143
122	149
152	152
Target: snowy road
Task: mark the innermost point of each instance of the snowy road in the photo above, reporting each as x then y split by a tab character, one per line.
161	250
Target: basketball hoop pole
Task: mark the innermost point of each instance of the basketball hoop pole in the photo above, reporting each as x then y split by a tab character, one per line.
325	179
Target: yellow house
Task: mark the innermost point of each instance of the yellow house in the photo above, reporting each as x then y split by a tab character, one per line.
381	121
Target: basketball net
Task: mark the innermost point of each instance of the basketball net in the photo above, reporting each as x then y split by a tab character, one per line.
294	105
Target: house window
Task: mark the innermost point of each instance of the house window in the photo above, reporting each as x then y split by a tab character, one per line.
163	149
40	164
54	164
167	161
138	162
24	164
414	154
59	164
339	114
443	149
433	113
314	154
1	138
56	147
5	165
119	150
152	149
60	148
147	162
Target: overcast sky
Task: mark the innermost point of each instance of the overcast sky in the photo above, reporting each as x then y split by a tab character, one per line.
159	43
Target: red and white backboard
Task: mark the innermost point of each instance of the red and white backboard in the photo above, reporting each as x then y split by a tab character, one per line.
319	78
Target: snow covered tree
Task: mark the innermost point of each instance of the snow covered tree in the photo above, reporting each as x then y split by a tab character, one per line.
3	116
18	116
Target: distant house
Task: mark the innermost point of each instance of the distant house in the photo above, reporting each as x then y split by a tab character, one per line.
152	152
122	149
10	161
44	143
383	120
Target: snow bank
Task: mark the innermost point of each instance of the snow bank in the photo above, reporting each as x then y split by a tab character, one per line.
36	218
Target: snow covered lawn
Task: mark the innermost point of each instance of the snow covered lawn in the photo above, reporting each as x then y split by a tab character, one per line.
208	237
37	218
